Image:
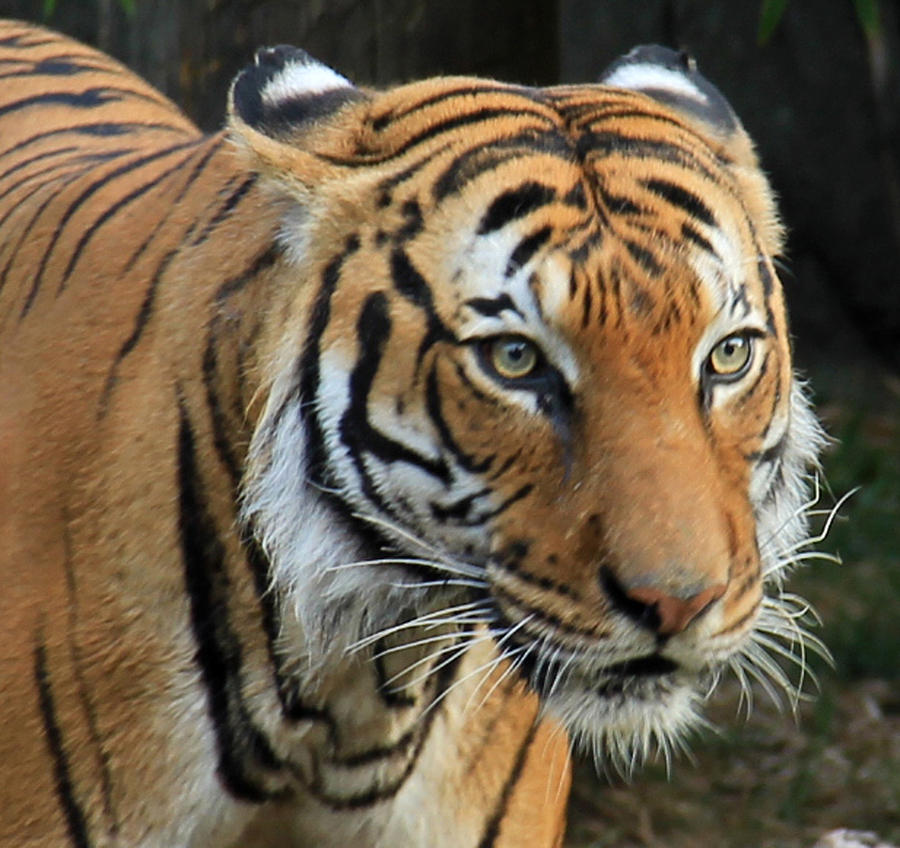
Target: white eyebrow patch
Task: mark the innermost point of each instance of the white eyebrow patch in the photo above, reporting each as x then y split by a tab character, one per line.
302	79
642	76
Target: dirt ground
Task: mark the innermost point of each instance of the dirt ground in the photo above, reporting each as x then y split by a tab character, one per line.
770	780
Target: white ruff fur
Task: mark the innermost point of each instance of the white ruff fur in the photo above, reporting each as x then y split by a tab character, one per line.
307	544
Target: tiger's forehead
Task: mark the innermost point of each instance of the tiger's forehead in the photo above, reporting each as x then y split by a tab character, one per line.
558	213
610	177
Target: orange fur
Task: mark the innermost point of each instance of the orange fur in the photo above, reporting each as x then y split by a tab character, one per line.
192	326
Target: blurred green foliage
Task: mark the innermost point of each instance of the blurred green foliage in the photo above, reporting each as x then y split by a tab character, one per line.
771	12
49	7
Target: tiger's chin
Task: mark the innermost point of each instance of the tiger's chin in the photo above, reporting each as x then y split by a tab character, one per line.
623	719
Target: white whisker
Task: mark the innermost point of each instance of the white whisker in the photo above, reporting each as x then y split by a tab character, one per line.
418	643
448	615
512	667
457	683
441	584
460	650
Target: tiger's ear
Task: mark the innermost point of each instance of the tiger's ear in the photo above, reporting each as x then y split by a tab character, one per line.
293	116
672	78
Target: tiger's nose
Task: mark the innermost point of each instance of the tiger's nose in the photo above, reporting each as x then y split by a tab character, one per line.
664	613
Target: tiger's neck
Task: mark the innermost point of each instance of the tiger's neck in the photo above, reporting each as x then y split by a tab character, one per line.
367	725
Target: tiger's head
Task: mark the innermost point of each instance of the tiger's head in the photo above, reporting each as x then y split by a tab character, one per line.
532	370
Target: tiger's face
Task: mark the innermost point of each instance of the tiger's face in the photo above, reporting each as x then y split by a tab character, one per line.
541	357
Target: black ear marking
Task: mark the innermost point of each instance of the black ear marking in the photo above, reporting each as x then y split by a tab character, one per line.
671	76
285	89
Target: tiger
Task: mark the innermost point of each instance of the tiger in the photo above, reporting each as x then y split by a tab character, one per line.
363	460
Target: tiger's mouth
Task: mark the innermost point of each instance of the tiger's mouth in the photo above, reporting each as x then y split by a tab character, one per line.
652	665
548	674
648	667
623	713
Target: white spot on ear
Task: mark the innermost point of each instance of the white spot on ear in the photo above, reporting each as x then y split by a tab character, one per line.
650	76
302	80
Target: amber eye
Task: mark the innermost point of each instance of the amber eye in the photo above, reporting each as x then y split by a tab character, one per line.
512	357
731	355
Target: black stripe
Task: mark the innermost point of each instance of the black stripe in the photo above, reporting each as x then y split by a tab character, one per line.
643	257
509	559
472	163
448	441
50	172
682	198
63	182
24	163
91	98
619	112
44	177
140	322
173	204
750	390
380	122
87	701
143	316
507	463
520	493
691	234
112	210
739	624
493	306
767	278
459	509
492	827
243	750
76	822
515	203
79	201
388	184
577	197
587	301
227	208
615	203
526	249
772	454
52	67
356	432
221	437
378	794
287	684
542	620
414	287
309	365
609	143
88	99
18	42
384	752
102	129
412	226
476	117
292	113
473	389
393	697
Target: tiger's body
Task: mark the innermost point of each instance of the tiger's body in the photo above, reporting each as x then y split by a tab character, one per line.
356	457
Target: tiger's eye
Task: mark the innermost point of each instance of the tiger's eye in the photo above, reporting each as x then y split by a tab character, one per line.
513	357
730	356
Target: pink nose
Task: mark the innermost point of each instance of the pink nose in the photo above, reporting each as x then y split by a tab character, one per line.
662	612
670	614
